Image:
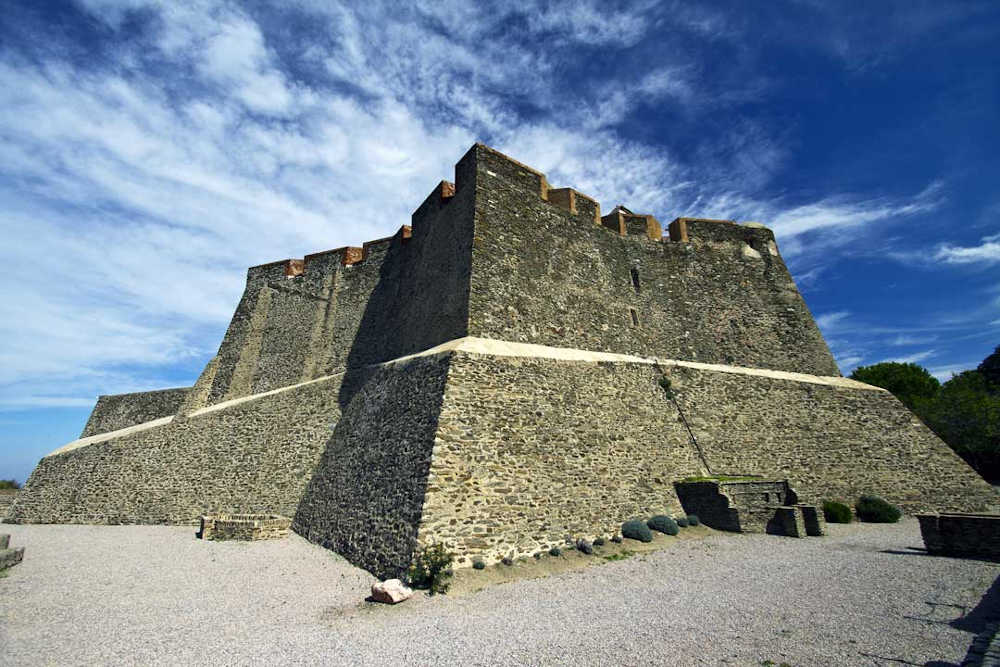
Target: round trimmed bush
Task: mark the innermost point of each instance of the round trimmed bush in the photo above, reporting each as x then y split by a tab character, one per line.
693	520
835	512
682	521
598	541
636	530
585	546
479	564
876	510
663	524
617	539
555	551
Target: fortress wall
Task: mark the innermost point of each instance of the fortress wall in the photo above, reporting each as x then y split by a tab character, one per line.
117	411
831	442
545	275
365	498
531	451
254	456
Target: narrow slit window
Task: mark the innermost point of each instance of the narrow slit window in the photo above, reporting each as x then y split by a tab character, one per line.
635	317
635	279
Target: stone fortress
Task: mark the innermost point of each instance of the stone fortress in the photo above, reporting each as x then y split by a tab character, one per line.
491	377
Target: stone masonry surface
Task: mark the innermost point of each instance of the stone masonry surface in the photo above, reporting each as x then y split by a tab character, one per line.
530	452
245	527
488	377
121	410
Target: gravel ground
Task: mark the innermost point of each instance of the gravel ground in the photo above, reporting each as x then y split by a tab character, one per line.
865	595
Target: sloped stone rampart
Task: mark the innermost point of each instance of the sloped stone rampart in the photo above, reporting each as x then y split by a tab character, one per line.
830	442
532	451
252	457
117	411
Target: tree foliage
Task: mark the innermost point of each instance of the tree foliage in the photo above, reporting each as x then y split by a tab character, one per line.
967	416
990	370
907	382
964	411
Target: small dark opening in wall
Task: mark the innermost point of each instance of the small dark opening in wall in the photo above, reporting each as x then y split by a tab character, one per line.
635	317
635	279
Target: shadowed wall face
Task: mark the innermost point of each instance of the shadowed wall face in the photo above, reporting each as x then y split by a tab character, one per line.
366	497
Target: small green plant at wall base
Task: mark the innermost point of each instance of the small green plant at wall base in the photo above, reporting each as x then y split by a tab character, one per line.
617	539
663	524
555	551
693	520
636	530
835	512
507	560
479	564
876	510
431	568
599	542
584	546
682	521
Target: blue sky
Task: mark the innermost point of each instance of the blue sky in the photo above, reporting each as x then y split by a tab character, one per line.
151	151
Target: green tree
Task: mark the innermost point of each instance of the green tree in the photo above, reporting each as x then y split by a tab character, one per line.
907	382
990	370
967	416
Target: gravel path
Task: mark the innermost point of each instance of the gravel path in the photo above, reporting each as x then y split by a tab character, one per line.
157	595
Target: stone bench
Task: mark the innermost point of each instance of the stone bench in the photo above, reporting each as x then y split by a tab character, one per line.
244	527
960	534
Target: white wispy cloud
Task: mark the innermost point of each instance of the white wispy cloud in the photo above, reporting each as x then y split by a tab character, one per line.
987	252
136	191
914	358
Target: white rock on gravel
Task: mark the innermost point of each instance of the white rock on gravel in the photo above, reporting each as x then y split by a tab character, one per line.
391	591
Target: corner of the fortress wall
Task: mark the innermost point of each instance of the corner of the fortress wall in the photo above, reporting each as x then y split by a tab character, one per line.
490	168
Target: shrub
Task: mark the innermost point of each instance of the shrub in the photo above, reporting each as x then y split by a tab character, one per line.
9	484
693	520
431	568
507	560
599	542
875	510
663	524
555	551
479	564
636	530
617	539
585	546
835	512
682	521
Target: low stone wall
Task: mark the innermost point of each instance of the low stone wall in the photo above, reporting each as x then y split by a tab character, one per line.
9	557
957	534
244	527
